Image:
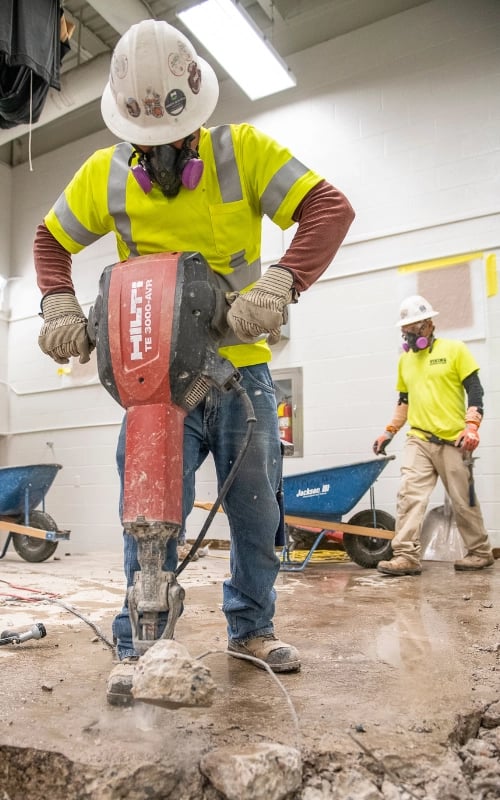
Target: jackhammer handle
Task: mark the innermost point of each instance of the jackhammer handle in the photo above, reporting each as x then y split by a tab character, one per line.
92	321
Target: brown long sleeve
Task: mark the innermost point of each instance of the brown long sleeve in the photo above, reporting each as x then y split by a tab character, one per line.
52	263
324	216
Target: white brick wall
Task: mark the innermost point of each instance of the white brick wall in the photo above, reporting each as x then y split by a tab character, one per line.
403	116
5	218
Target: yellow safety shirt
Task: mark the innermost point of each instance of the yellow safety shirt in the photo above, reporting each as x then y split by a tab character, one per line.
434	382
246	175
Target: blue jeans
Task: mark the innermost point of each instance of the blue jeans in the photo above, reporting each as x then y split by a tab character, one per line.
218	426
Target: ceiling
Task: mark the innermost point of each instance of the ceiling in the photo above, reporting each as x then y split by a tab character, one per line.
290	25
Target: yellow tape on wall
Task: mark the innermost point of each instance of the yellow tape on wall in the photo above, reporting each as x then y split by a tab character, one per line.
491	275
438	263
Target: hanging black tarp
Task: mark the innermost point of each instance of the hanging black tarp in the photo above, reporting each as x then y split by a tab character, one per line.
30	58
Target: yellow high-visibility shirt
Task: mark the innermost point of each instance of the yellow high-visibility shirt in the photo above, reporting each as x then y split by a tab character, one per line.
434	382
246	175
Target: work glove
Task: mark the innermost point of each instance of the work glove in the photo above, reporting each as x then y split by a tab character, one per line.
262	310
468	440
381	443
64	331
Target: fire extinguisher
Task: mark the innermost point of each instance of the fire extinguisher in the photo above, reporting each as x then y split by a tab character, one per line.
285	421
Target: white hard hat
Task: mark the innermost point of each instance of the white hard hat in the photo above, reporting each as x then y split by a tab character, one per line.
159	89
415	309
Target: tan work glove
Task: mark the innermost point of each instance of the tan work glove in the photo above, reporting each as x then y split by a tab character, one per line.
262	310
64	331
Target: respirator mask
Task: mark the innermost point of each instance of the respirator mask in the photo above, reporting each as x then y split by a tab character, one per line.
415	341
169	167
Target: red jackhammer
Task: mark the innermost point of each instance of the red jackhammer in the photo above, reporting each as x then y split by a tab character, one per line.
157	324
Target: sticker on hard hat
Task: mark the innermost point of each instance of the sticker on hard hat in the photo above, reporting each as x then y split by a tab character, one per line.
133	107
176	64
152	104
194	77
175	102
184	51
120	66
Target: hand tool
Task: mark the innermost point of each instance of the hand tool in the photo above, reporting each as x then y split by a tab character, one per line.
37	631
469	463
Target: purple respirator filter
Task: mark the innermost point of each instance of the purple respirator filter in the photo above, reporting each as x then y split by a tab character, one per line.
421	343
142	178
192	172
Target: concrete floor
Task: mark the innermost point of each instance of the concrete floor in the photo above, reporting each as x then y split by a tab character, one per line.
390	660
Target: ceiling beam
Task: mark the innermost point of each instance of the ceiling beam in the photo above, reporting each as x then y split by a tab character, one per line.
121	15
269	9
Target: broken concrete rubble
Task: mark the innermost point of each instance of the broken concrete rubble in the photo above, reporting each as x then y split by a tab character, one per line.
390	663
470	771
168	676
262	770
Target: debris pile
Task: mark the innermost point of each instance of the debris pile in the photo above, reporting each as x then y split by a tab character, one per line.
467	769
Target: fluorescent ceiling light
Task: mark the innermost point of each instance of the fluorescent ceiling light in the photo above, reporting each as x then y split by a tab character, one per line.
227	31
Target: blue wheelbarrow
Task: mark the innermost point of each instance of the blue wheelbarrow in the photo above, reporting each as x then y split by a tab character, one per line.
315	504
33	532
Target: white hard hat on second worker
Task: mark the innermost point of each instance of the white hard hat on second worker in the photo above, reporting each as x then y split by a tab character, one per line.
415	309
159	89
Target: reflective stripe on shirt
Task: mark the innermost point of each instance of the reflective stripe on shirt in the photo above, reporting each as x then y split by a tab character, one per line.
72	225
225	164
117	194
280	185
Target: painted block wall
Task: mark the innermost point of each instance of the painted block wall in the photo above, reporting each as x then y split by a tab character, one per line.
5	265
403	117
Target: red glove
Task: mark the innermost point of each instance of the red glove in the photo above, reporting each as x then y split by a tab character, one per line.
381	443
469	438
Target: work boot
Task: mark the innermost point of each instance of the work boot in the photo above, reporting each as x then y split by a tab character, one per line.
399	565
278	655
471	561
119	687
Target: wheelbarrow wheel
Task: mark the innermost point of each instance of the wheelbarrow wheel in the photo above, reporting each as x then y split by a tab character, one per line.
30	547
367	551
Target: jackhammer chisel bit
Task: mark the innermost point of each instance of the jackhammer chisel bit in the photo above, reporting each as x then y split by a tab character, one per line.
154	594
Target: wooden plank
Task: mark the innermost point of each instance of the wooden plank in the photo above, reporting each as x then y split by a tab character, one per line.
26	530
322	524
207	506
333	525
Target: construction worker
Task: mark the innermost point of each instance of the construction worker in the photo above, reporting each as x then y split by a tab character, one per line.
434	376
173	185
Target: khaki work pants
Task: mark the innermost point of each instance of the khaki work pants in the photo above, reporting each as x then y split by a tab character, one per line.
422	463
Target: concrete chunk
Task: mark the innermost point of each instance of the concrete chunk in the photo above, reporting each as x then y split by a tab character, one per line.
265	770
168	676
